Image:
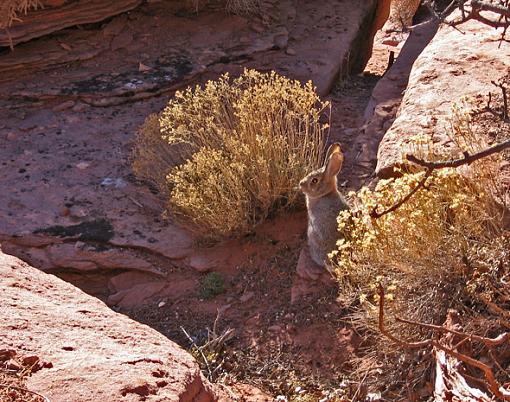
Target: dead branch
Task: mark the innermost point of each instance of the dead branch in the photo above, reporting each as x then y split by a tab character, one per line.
450	384
484	5
453	377
216	341
466	160
431	166
492	384
504	115
387	334
489	342
375	214
25	390
476	7
206	362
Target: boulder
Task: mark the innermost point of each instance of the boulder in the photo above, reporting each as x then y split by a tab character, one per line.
386	98
89	352
59	16
456	63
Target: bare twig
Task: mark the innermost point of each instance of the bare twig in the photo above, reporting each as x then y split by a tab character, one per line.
500	85
25	390
496	362
501	115
490	342
135	202
206	362
478	6
214	340
484	5
453	163
431	166
359	386
375	214
491	382
386	333
467	159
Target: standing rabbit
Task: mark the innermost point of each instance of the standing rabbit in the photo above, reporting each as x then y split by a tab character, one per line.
323	202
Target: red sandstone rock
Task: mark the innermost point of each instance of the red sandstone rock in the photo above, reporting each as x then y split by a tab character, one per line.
135	295
386	98
456	63
92	353
41	22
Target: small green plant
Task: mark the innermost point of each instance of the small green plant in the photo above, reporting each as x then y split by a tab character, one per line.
228	155
212	285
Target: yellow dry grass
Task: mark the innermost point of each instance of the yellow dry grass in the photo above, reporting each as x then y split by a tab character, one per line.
402	12
11	9
231	153
243	7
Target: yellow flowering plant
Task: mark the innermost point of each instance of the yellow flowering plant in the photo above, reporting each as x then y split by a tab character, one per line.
229	154
426	238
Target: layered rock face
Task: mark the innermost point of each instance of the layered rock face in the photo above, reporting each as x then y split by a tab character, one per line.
87	351
53	15
455	64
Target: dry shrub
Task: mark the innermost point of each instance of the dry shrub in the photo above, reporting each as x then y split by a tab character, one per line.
239	7
421	251
152	157
243	7
10	9
241	146
402	12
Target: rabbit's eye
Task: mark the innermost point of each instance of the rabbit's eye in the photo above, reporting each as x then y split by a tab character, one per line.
315	180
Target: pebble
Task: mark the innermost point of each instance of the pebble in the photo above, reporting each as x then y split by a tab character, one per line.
83	165
80	107
79	245
280	41
30	360
64	211
290	51
246	296
63	106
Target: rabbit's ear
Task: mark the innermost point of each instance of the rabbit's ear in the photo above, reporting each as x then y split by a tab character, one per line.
335	160
335	147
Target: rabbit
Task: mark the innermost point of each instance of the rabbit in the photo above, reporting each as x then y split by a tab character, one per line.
323	203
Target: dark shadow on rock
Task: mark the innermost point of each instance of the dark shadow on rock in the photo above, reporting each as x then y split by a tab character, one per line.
98	230
385	101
